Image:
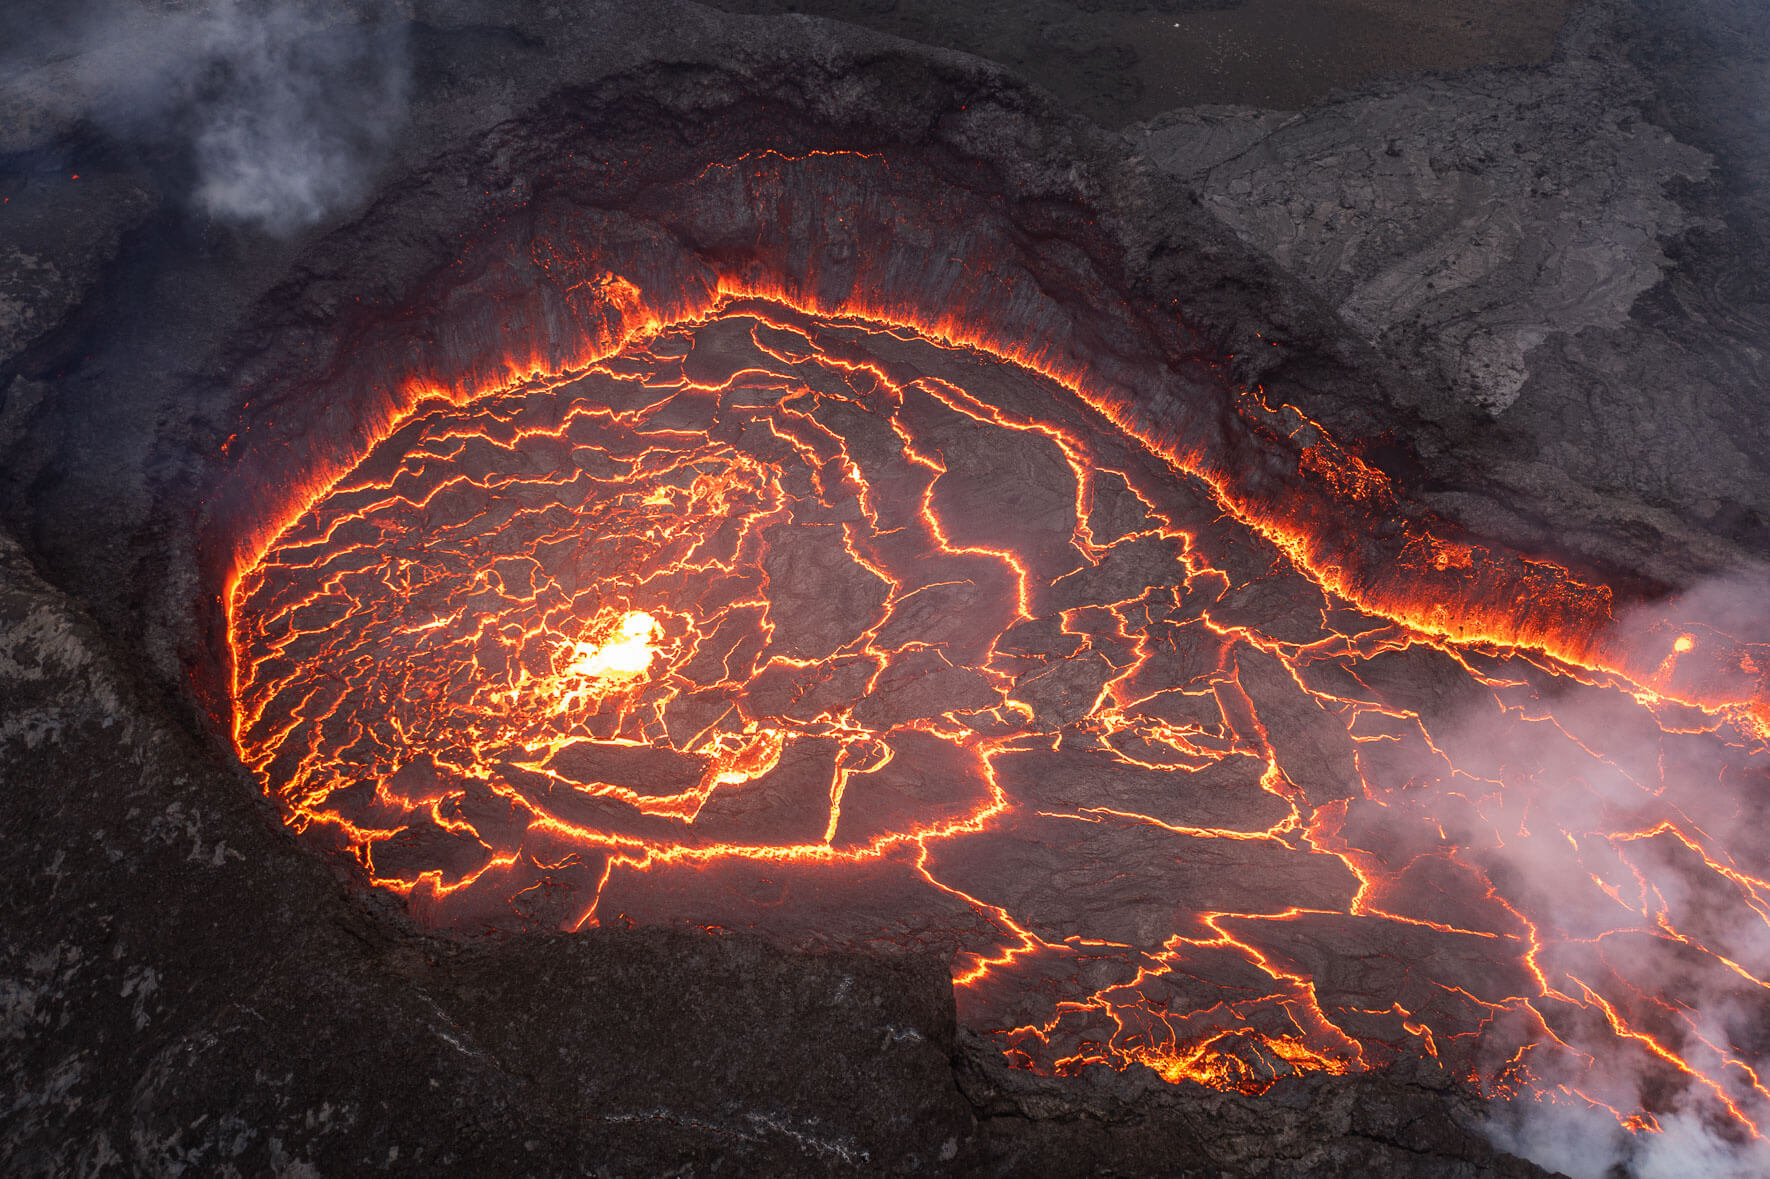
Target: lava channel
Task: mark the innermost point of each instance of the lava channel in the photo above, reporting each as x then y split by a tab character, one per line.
823	628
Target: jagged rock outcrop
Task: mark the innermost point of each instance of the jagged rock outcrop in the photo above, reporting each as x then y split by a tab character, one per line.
1561	250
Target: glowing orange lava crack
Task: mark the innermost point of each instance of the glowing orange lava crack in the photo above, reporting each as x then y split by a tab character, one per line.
946	653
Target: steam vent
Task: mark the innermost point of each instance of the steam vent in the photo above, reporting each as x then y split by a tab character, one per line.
1061	589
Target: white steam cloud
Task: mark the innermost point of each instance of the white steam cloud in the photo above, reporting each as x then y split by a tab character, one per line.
282	112
295	116
1640	852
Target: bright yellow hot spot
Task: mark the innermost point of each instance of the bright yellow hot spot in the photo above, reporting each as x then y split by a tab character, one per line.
626	653
1684	643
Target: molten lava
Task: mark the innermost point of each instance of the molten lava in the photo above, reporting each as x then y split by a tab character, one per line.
819	626
623	655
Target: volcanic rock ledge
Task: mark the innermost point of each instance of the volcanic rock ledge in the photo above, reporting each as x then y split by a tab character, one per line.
1571	252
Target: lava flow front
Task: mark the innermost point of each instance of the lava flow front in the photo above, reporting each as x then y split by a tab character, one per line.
826	629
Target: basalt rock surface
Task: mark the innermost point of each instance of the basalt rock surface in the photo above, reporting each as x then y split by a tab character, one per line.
1121	60
1571	254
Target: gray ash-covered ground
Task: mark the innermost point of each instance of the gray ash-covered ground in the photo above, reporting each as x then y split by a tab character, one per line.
1121	61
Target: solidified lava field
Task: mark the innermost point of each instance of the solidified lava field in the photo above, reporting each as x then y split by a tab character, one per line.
830	629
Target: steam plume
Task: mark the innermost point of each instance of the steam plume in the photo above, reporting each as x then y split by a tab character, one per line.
281	111
1638	852
295	114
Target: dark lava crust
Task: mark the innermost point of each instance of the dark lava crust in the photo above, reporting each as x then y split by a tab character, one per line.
188	991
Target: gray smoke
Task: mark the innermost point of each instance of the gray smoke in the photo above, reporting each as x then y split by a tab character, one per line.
298	115
1577	800
284	111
